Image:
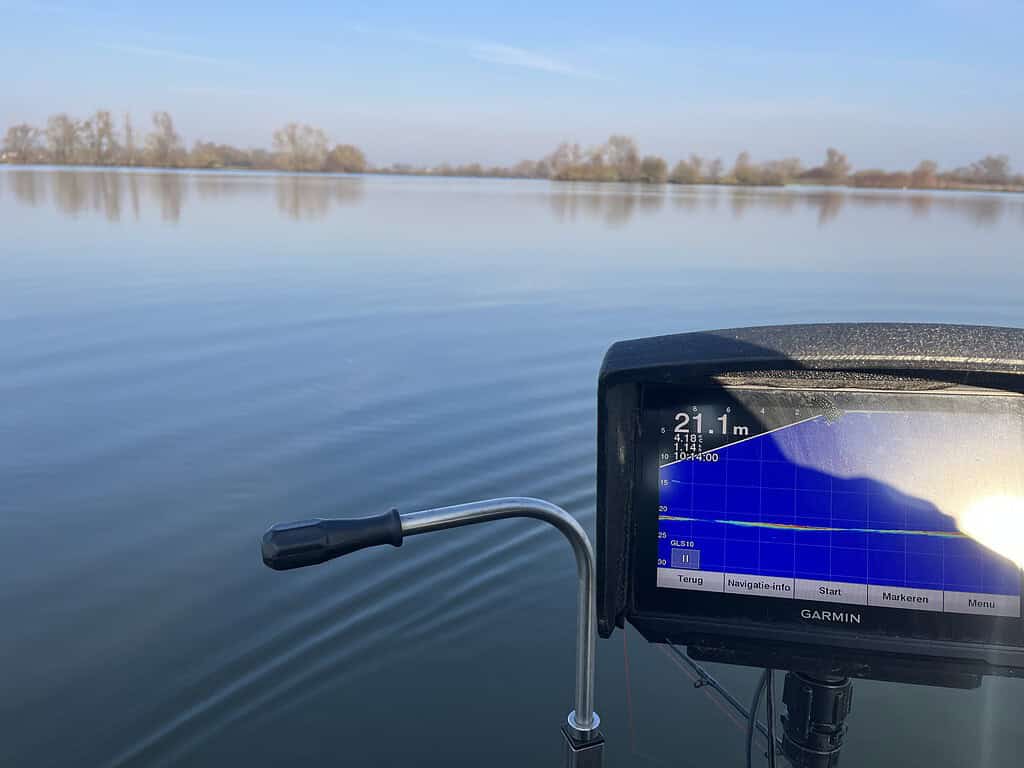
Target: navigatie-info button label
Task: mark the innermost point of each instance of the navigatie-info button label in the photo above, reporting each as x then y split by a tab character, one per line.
765	586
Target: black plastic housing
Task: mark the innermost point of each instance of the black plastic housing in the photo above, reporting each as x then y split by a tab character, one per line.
842	355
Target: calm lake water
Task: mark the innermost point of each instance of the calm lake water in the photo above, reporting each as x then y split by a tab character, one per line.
186	358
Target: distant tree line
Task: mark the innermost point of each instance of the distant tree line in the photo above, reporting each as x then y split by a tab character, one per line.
619	159
298	147
96	140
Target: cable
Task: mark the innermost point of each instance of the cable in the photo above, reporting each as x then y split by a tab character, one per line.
769	714
702	680
753	718
629	695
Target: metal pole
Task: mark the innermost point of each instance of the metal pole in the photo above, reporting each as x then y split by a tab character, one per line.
583	720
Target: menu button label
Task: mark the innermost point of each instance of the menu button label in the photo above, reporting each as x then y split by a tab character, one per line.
982	604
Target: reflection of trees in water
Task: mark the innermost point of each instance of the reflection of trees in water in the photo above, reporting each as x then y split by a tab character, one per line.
133	190
102	191
169	189
78	191
739	201
70	191
986	211
920	205
613	205
310	197
27	187
616	204
688	200
214	186
106	194
982	209
828	204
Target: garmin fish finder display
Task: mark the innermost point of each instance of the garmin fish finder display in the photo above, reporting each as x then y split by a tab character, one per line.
910	501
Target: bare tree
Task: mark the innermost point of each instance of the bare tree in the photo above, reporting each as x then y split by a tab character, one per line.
744	171
837	167
993	169
835	170
261	158
697	163
601	165
163	143
300	147
206	154
624	157
130	154
925	175
63	138
345	158
715	170
99	142
21	143
564	160
653	170
782	171
687	171
528	169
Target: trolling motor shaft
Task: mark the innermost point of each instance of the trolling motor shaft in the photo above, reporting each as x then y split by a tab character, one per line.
309	542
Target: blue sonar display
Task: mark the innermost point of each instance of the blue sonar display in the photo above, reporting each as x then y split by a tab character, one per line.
909	506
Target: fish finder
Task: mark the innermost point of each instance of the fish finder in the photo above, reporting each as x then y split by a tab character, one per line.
835	500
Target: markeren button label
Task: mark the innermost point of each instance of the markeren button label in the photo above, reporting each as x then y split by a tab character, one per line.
985	605
905	597
764	586
831	591
677	578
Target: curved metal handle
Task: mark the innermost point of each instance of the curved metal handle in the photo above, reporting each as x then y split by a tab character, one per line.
583	720
310	542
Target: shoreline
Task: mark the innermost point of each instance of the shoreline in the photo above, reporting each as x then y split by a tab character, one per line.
1008	189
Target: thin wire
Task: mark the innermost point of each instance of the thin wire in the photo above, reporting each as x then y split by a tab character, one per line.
769	714
753	719
629	695
705	679
709	693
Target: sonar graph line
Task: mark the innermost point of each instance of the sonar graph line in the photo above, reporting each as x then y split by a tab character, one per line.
817	528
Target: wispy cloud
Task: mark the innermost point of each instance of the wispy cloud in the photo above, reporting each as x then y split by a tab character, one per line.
164	53
486	51
214	90
508	55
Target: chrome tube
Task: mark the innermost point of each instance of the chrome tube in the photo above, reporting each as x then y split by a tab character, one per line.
583	720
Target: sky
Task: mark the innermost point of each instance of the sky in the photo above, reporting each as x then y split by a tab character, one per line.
888	83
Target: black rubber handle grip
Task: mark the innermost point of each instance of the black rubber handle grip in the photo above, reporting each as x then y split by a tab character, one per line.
311	542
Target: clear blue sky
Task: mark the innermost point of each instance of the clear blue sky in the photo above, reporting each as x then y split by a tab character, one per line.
889	83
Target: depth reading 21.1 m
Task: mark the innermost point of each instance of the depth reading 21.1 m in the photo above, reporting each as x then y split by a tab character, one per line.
693	433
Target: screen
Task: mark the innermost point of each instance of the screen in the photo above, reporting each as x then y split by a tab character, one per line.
908	501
